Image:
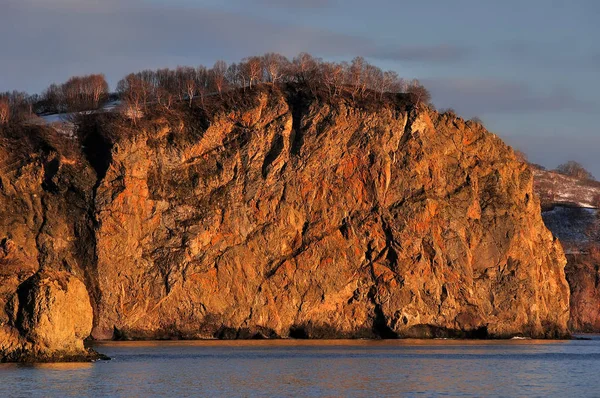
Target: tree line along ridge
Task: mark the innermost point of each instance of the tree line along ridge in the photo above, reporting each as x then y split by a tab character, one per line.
164	87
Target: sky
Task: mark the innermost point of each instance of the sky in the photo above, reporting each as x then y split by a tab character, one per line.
530	69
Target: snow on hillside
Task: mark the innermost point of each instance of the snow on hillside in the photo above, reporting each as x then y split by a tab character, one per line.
569	208
62	122
558	189
66	117
56	118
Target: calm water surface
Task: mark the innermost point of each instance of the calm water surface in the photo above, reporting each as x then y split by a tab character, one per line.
320	368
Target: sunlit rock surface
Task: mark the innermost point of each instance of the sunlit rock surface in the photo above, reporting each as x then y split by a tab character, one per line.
280	215
52	315
290	216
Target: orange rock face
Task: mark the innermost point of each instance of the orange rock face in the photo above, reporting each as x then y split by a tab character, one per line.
282	215
296	217
46	248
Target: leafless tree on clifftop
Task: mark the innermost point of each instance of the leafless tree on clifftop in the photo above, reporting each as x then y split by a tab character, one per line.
133	91
276	66
217	74
252	70
4	111
419	93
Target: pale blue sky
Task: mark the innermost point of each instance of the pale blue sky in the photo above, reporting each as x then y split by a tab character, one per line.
528	68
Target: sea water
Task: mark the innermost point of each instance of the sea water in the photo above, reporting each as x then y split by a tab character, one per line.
301	368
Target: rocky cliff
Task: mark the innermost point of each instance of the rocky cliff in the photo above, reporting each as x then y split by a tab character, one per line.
45	248
280	215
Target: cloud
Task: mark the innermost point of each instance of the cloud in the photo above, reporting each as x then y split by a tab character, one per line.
557	54
480	96
295	4
433	54
52	41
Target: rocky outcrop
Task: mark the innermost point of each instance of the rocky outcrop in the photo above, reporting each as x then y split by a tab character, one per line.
276	214
53	315
45	242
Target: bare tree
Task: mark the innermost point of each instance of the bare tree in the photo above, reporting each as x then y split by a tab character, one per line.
419	93
164	86
71	93
203	82
4	111
304	68
163	97
133	92
218	73
53	99
373	79
252	70
191	85
275	66
390	83
99	88
181	75
78	93
235	75
18	105
355	75
332	75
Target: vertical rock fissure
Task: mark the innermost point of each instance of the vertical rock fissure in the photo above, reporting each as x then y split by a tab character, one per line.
98	152
276	149
297	135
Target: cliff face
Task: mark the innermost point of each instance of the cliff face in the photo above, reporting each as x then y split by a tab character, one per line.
45	249
283	216
571	214
321	219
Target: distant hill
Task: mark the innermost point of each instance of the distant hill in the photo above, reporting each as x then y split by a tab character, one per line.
555	189
570	211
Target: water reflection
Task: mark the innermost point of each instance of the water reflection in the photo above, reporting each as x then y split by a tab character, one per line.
60	366
326	343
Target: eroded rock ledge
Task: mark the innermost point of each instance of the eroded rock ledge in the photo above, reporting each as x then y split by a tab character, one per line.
281	215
